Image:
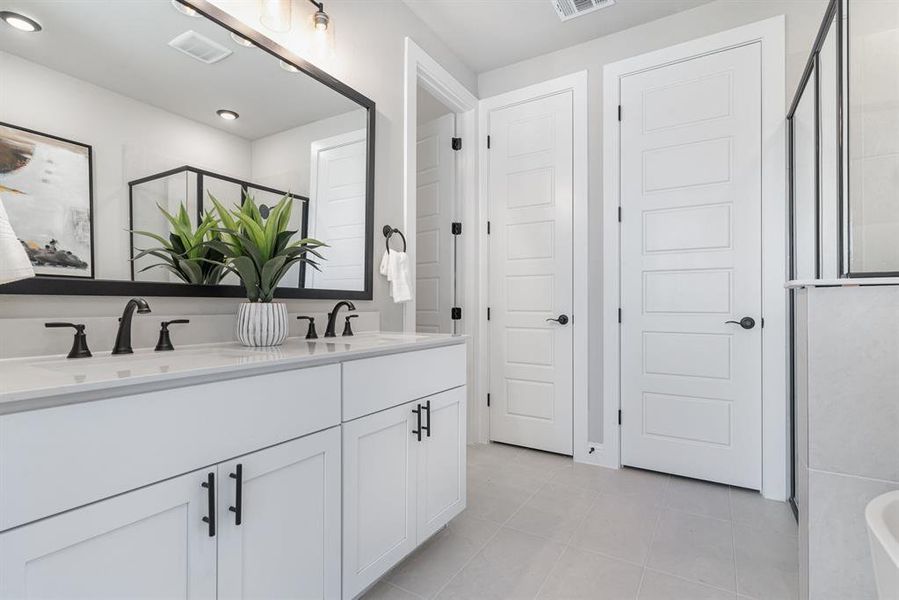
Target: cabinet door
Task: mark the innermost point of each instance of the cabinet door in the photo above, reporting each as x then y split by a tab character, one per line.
148	543
287	544
379	473
441	462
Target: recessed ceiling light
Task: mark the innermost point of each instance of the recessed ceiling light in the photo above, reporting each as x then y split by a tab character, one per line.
20	22
289	67
241	40
228	115
185	9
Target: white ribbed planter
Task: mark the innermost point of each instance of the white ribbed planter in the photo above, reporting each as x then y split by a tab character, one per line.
261	324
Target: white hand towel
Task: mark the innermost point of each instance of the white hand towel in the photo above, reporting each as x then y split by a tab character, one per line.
14	262
398	275
384	260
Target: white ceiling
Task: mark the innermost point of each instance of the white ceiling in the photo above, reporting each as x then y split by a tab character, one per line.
487	34
122	46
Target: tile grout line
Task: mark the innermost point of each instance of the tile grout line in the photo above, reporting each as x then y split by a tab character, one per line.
484	545
733	539
567	545
652	538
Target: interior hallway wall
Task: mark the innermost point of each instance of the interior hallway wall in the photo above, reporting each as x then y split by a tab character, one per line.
367	55
802	20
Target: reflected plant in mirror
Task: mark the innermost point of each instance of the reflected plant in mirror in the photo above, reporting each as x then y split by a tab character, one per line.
186	253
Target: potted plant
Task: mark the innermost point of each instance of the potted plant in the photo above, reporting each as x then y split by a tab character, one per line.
260	251
185	253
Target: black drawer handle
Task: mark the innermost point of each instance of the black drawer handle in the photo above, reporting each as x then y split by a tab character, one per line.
209	484
237	509
427	427
417	411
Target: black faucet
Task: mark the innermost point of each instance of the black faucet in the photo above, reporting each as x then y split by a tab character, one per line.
332	316
123	337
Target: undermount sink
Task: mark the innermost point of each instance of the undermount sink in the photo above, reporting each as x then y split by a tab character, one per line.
882	517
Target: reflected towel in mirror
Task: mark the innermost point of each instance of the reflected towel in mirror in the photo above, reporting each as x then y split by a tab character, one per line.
14	262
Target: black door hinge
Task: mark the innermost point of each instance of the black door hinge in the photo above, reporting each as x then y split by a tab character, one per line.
488	313
619	315
456	228
457	143
488	227
619	416
619	112
488	400
456	313
619	214
488	142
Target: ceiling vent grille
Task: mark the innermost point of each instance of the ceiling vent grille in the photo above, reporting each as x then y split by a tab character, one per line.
200	47
569	9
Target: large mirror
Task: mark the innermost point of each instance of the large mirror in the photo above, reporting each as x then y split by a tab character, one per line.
118	118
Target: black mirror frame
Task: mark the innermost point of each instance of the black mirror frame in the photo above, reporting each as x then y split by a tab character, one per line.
50	285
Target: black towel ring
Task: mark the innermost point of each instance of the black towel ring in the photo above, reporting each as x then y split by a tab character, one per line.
388	232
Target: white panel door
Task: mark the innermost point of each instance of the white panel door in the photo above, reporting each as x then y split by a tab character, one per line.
530	196
435	193
380	456
149	543
441	461
337	210
287	544
691	262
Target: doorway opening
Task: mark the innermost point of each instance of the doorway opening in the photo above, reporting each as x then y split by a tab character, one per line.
438	227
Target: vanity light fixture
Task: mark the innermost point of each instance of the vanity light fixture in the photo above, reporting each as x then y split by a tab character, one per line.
228	115
241	40
20	22
320	18
185	9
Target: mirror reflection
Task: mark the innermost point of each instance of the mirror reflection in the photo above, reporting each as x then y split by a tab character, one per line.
126	117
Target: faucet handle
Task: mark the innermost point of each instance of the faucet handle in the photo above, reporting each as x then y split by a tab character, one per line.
79	344
165	341
311	334
347	327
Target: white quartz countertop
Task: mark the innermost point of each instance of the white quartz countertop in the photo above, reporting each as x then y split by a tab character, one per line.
42	382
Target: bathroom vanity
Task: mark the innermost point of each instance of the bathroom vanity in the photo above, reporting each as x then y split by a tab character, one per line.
304	471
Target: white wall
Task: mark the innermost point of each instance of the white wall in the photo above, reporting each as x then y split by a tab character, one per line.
802	20
368	56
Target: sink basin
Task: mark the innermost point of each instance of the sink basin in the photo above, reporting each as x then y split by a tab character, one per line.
882	517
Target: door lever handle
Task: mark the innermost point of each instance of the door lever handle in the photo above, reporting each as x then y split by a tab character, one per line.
561	319
745	322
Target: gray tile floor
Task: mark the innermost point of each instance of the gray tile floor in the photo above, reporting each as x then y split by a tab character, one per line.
539	526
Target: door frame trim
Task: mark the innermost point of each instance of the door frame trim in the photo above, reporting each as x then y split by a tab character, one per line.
419	68
577	84
775	422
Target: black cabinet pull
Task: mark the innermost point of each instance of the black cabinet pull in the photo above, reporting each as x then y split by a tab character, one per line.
209	484
427	427
417	411
237	509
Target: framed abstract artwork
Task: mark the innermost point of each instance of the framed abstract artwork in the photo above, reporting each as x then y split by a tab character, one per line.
46	187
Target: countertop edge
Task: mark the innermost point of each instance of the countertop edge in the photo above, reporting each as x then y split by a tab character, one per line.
77	393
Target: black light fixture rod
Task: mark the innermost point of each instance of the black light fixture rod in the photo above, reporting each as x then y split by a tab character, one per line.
319	5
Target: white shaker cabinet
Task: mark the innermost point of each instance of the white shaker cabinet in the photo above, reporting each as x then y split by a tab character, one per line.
441	463
279	521
379	477
403	479
147	543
